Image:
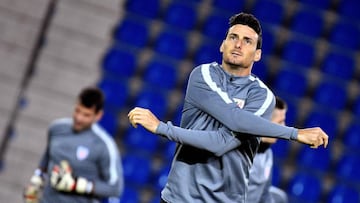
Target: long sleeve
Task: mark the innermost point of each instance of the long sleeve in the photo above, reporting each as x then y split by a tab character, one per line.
218	142
111	170
44	161
202	88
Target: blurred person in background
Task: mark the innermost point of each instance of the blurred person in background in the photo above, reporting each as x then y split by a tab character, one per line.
81	162
260	188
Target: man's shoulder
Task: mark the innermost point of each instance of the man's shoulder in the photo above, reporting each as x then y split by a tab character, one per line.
257	83
103	135
206	70
208	66
61	122
61	126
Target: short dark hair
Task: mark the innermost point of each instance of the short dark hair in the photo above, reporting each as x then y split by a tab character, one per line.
280	103
91	97
249	20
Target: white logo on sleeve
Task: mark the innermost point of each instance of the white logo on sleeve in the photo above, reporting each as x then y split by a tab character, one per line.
82	152
240	102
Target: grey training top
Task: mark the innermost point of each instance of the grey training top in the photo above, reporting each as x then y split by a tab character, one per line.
212	165
260	178
91	153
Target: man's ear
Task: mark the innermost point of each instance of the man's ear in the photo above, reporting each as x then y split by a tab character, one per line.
222	47
257	55
99	115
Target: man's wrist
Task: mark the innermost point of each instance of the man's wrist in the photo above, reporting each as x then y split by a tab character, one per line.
294	134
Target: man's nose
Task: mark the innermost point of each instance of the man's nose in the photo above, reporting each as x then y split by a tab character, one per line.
238	44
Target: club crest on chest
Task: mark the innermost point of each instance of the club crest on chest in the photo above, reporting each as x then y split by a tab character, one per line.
240	102
82	152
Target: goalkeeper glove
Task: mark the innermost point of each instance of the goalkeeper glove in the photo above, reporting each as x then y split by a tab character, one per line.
32	192
63	180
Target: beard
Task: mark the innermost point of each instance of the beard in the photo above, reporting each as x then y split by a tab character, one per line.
78	127
233	64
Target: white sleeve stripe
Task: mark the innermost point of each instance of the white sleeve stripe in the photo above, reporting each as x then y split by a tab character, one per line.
268	100
113	154
205	71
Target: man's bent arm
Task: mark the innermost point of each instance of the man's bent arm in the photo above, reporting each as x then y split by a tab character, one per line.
218	142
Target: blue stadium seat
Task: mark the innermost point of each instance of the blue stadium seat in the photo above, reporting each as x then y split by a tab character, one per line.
141	140
347	168
136	169
292	112
169	150
194	1
153	100
308	23
148	8
181	15
291	82
268	42
130	195
341	193
171	44
119	62
265	11
342	34
304	187
109	122
176	118
161	74
350	9
207	53
352	138
314	159
299	53
276	175
233	6
319	4
133	32
116	92
216	26
155	198
325	120
161	177
281	149
356	107
331	94
260	69
339	65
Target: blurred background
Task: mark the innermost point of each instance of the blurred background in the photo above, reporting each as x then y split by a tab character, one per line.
140	53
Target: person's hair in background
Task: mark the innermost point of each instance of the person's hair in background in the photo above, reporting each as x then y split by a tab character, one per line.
92	97
280	104
249	20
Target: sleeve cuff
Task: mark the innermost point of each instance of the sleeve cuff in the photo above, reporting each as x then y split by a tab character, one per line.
294	134
162	128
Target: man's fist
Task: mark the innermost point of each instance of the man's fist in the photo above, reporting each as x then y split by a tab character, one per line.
32	192
63	180
314	137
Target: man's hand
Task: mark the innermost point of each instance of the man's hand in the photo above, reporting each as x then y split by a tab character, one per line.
143	117
313	137
32	192
62	180
269	140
